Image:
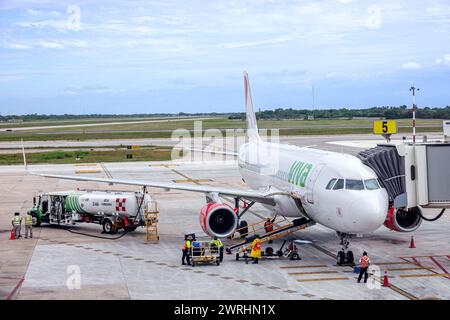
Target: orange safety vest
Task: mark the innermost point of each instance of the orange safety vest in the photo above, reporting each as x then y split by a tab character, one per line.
364	261
268	225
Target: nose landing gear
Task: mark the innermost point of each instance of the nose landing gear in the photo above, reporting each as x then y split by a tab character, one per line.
345	257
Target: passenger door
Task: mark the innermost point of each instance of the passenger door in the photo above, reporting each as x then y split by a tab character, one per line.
312	182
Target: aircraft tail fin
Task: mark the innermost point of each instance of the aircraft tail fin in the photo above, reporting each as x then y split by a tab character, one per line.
252	127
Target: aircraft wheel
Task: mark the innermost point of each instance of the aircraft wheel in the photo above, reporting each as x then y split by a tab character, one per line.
237	256
340	258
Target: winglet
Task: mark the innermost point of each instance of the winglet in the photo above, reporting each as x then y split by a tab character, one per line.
252	127
24	157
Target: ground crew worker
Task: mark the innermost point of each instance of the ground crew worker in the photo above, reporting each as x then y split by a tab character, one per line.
219	245
186	252
17	225
364	262
268	226
28	225
256	249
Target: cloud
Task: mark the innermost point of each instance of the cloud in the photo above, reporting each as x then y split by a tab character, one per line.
17	46
411	66
90	89
51	45
233	45
445	60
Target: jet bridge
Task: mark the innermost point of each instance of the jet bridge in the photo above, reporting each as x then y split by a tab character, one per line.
415	176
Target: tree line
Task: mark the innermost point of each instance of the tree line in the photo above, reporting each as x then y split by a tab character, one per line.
386	112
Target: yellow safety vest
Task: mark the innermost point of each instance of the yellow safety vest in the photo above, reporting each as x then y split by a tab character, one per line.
187	245
28	220
217	243
16	220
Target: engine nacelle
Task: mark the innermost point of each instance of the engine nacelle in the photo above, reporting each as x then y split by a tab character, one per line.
403	220
218	219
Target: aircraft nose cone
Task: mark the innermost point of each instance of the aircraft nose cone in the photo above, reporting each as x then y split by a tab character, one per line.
368	213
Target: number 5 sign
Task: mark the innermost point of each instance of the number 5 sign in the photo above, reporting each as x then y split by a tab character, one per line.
385	127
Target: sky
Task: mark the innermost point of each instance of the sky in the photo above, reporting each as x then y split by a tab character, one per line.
173	56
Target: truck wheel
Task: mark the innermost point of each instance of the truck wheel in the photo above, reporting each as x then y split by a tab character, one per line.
108	226
36	222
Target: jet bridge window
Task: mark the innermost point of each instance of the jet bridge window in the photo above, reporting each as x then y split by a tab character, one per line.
339	185
330	184
351	184
371	184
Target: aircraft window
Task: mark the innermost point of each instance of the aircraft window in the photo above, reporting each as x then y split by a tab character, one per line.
351	184
330	184
371	184
339	185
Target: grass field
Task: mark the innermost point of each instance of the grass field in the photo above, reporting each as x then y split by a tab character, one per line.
58	157
164	129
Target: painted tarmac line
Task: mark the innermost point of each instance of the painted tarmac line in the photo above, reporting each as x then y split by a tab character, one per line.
416	262
406	269
85	164
311	272
424	275
15	289
87	171
312	266
392	263
439	265
322	279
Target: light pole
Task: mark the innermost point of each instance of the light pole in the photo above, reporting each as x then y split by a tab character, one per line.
413	90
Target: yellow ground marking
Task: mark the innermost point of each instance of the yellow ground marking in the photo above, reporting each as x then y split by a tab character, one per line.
404	269
322	279
88	171
311	272
292	267
424	275
85	164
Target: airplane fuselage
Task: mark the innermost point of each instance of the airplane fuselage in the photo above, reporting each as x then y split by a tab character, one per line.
333	189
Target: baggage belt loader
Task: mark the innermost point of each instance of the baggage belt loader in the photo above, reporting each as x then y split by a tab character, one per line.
114	210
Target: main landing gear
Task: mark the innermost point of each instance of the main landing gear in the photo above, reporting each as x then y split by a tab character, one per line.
345	257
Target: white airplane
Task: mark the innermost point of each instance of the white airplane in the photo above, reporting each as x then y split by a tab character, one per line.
333	189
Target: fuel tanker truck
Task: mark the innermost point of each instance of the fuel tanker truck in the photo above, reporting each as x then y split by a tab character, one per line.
114	210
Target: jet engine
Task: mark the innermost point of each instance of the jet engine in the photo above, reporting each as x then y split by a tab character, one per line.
218	219
403	220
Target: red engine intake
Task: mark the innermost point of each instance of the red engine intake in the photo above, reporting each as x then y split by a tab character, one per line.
218	219
403	220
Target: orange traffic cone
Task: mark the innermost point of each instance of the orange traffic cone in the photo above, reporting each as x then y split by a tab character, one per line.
412	244
245	204
385	280
12	236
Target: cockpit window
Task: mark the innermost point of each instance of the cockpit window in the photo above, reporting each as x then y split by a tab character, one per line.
371	184
339	184
330	184
351	184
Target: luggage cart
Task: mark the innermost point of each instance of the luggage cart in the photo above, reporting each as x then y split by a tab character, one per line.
202	252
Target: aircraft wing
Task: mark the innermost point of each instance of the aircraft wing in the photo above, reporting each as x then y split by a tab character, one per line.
250	195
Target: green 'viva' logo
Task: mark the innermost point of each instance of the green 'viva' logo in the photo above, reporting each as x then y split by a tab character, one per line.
299	172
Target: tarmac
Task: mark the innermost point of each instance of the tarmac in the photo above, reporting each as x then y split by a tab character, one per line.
131	268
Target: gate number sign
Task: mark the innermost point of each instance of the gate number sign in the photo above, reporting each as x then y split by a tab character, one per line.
385	127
